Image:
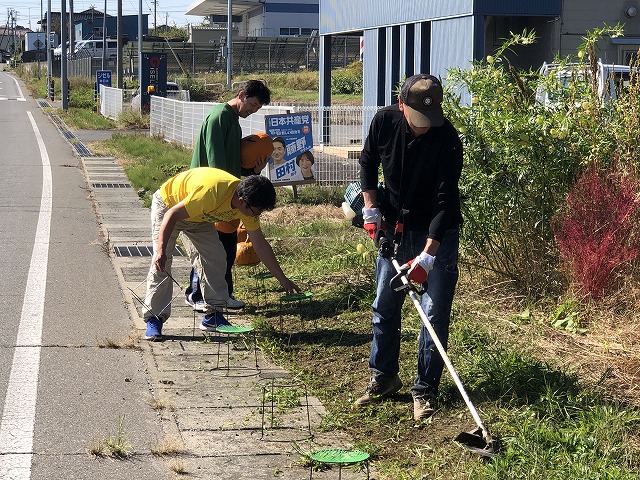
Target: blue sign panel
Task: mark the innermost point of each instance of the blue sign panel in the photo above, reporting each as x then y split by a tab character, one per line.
292	159
103	77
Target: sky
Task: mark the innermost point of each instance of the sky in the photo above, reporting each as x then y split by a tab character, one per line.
28	11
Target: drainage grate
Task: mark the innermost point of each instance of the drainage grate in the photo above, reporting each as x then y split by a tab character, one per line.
111	185
76	144
82	150
141	251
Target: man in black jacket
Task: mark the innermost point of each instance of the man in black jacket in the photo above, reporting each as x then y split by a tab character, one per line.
421	157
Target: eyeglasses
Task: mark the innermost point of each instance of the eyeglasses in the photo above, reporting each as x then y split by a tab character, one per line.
250	208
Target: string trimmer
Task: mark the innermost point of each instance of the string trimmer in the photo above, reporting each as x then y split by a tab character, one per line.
478	440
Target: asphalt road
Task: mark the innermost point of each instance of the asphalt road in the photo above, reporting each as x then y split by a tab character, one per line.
61	393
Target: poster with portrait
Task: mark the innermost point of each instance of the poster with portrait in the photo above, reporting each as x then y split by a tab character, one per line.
292	161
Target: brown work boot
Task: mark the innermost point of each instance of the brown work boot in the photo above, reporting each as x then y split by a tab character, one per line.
423	405
379	388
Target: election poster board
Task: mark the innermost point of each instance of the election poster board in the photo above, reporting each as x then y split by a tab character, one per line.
292	161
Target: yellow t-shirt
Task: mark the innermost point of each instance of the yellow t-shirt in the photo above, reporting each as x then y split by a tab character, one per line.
206	193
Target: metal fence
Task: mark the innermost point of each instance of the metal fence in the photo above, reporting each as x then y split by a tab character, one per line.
83	65
114	100
250	54
338	130
337	146
180	121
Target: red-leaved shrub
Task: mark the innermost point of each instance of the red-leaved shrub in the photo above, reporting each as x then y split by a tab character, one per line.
595	233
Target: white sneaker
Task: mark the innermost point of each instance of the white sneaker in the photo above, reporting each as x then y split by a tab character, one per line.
234	304
198	306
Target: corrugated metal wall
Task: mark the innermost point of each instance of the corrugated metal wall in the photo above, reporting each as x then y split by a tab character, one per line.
412	36
349	15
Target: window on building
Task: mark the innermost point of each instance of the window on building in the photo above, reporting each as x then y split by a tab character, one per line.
295	32
627	54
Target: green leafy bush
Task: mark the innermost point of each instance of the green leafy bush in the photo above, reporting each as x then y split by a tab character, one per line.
81	93
521	159
198	92
347	80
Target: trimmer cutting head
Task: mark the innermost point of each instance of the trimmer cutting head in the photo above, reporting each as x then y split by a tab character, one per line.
477	441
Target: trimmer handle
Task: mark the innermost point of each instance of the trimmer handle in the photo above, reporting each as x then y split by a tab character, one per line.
400	281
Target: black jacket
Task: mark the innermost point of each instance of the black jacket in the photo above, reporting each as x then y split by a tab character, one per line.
434	159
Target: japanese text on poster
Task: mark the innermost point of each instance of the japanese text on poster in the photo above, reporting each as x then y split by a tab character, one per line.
292	160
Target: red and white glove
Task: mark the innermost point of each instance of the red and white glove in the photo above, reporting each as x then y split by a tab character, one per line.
372	220
420	267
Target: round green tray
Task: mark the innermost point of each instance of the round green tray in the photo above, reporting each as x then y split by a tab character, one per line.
263	275
233	329
296	296
338	455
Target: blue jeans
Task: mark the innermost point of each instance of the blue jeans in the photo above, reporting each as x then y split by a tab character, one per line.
436	303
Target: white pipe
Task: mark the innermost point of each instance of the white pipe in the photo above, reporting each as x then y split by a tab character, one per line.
443	353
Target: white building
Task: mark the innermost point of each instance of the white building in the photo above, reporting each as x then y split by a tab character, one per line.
261	18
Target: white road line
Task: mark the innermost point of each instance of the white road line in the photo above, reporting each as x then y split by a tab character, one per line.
21	97
18	417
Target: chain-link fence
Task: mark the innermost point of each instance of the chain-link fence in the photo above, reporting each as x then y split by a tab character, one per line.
250	54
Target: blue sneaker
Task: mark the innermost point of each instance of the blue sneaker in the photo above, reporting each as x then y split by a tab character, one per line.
154	329
213	320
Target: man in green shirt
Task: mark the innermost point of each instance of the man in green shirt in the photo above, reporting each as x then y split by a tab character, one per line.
218	146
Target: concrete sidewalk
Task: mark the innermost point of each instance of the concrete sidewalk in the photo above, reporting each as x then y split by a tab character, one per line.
214	412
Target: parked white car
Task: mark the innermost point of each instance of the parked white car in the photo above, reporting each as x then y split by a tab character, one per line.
612	80
173	91
57	52
95	47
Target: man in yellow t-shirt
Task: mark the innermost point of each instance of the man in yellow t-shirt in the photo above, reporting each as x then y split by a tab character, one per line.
191	202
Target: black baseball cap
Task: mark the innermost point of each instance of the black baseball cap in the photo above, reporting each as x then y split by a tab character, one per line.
422	98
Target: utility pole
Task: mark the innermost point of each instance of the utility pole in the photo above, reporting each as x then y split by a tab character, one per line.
104	35
140	50
45	43
63	57
49	46
229	42
14	24
72	27
119	44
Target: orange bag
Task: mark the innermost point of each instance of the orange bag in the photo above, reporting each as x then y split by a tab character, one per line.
228	227
246	255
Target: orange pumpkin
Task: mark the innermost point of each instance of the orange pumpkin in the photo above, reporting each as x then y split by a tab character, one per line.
254	146
228	227
246	255
242	234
